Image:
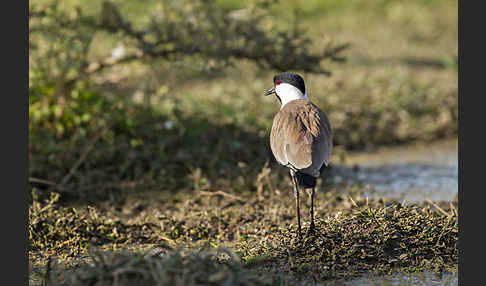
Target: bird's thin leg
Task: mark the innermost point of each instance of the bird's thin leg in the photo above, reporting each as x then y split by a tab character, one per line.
312	226
296	194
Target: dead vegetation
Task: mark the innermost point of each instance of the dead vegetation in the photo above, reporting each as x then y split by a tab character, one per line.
379	240
208	267
355	235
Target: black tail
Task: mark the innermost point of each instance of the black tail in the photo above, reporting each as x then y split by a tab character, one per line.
306	181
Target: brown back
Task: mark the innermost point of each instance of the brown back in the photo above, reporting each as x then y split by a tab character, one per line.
301	136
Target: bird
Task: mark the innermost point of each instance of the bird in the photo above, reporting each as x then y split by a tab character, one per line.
300	137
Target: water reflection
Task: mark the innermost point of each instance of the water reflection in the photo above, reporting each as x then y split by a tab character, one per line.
399	279
411	173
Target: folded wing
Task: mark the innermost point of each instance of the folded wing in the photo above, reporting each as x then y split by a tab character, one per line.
301	137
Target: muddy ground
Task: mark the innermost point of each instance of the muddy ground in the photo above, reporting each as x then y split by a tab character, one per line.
355	235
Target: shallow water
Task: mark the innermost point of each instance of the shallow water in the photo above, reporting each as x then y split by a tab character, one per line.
399	279
411	173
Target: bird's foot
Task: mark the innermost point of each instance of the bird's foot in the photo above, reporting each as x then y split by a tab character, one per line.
312	230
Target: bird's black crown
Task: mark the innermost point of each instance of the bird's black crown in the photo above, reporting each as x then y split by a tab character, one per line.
290	78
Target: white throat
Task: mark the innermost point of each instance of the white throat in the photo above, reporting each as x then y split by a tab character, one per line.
288	92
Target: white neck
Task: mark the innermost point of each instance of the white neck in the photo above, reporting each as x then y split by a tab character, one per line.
288	92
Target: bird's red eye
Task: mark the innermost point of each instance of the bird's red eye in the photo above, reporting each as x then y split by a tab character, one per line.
278	82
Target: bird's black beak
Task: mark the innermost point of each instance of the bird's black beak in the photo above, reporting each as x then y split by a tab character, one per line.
270	91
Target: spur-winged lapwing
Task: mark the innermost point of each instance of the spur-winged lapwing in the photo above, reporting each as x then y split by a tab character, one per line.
301	138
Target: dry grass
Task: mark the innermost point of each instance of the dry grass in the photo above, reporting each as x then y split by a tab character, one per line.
207	267
355	235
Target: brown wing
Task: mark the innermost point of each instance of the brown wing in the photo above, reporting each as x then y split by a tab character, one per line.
301	136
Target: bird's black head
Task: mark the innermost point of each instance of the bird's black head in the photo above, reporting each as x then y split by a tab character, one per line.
289	78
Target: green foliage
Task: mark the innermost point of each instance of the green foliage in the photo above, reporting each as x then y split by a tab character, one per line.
79	137
390	110
203	123
94	144
61	39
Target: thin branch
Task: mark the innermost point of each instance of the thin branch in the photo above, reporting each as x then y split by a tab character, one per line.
268	49
221	193
352	201
117	185
438	208
48	183
82	158
453	209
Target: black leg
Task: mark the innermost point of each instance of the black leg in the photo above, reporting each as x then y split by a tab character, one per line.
312	226
296	194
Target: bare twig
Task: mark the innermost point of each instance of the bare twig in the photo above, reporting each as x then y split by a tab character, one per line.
82	158
438	208
354	203
453	209
221	193
48	183
158	40
259	183
116	185
270	184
